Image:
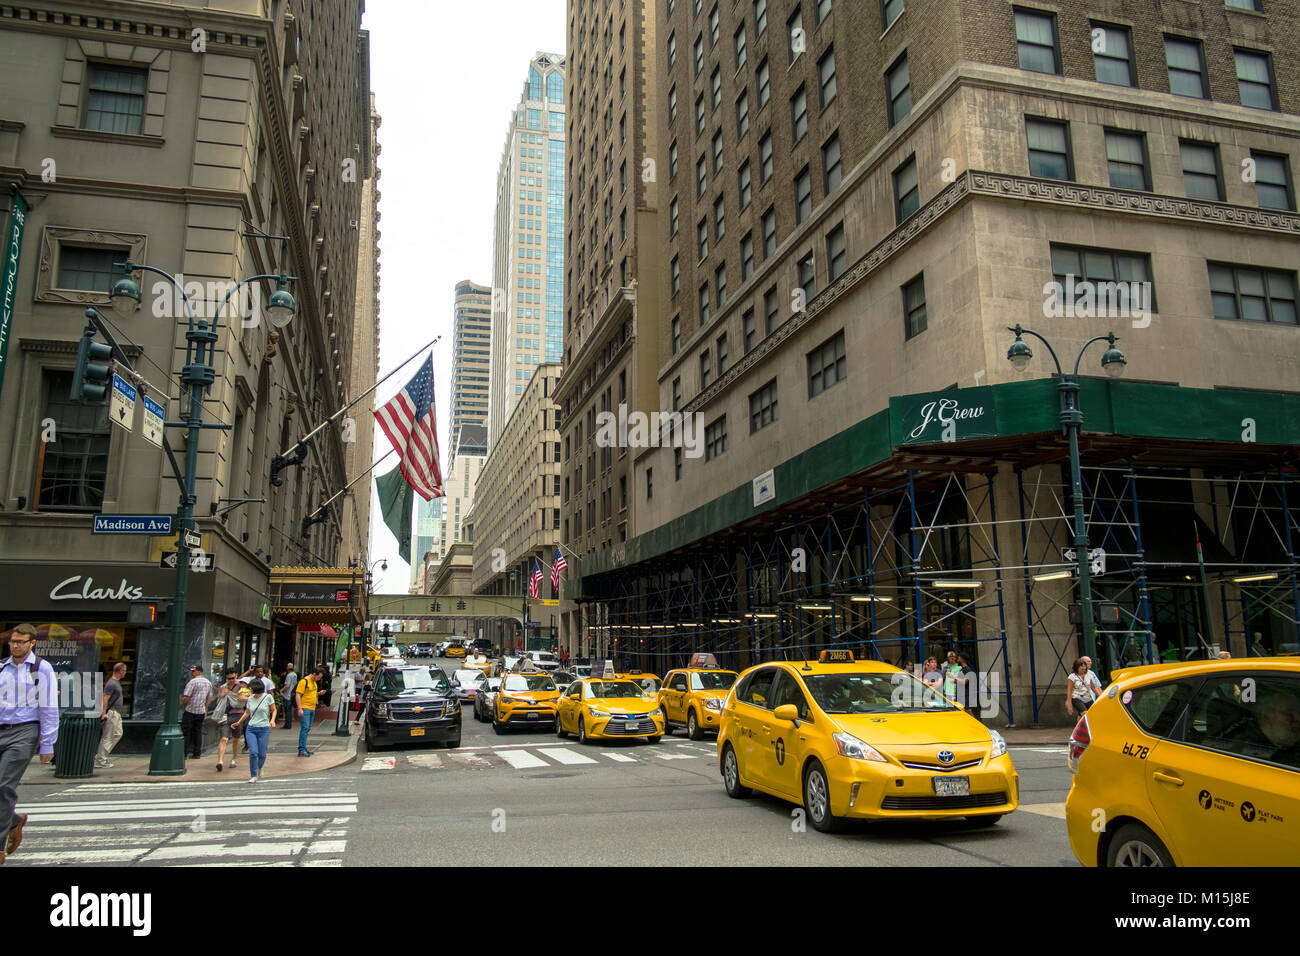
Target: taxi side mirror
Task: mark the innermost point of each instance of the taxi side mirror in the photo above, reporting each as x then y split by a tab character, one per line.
787	712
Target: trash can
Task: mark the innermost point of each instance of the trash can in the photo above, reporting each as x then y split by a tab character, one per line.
74	751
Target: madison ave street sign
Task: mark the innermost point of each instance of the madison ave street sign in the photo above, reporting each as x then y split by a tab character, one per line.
132	524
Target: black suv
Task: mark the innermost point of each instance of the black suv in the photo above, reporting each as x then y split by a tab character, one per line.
412	704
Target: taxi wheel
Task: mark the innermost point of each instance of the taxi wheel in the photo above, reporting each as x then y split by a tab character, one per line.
498	727
731	775
817	799
1134	845
559	728
693	727
582	731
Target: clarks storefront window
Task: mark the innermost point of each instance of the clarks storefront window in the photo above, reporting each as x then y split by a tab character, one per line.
85	647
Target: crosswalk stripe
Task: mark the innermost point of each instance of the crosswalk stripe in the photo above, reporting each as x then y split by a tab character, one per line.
426	760
560	755
473	760
664	756
379	763
620	758
249	801
522	759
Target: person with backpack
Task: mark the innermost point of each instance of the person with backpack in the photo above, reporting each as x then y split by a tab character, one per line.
305	698
257	721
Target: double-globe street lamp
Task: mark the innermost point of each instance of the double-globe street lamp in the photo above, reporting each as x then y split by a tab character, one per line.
168	757
1071	418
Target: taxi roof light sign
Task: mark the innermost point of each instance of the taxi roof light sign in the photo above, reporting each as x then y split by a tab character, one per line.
836	657
703	661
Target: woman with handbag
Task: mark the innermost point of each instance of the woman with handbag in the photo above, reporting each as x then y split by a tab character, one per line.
1079	695
259	717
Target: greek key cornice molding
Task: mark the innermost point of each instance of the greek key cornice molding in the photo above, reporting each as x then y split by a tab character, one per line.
114	29
1104	198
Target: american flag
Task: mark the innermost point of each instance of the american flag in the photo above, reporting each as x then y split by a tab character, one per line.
535	581
559	565
411	426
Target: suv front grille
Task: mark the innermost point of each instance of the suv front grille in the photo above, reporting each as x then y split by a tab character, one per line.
429	711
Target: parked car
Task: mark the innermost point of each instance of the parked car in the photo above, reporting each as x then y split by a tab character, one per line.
411	704
485	698
466	683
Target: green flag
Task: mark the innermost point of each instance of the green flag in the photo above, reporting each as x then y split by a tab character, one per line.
341	646
396	499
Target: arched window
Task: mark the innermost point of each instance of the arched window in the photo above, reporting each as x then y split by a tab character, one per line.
534	84
555	87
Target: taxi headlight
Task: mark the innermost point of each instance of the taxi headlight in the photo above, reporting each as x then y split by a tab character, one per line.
999	745
657	712
713	703
597	713
850	746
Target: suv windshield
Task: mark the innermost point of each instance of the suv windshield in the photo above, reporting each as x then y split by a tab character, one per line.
713	680
529	682
874	694
614	688
410	678
469	677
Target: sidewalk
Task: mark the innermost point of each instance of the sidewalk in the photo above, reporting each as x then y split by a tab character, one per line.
282	760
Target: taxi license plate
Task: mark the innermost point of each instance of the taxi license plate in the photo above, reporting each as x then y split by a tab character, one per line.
532	716
417	732
952	786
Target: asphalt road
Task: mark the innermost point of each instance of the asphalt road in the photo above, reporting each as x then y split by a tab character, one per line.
531	798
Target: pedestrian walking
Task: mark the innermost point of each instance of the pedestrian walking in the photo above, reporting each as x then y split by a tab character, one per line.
1093	681
305	700
110	716
232	698
1079	695
194	701
29	723
257	721
951	676
287	686
969	683
325	685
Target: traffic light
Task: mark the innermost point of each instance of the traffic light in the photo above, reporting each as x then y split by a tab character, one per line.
90	378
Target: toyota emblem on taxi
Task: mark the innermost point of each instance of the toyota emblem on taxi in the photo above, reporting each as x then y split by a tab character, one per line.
945	756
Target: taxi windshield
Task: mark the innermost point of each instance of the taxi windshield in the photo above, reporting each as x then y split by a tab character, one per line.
895	693
614	688
713	680
413	678
529	682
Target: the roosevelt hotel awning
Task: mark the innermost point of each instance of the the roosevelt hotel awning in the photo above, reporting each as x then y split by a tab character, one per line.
318	594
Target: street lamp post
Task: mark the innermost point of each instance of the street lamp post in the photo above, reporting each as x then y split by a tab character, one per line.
168	757
1071	418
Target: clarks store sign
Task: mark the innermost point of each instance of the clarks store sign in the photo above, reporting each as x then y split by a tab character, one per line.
83	588
950	416
72	587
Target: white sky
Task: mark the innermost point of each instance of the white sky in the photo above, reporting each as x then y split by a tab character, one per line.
446	78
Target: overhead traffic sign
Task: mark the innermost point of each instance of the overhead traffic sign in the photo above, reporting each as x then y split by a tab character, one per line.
132	524
121	408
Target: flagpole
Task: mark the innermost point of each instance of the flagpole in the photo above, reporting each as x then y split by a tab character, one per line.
344	489
315	431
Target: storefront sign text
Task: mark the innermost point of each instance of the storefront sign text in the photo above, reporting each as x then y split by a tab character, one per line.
66	590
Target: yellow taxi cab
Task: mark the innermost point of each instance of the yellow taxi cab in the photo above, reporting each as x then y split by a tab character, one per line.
598	707
649	683
455	650
525	698
478	662
693	696
1194	763
861	739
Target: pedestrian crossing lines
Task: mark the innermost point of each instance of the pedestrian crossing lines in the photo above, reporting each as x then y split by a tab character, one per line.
155	825
536	756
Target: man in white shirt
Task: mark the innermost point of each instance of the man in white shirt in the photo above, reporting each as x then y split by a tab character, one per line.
1090	680
194	703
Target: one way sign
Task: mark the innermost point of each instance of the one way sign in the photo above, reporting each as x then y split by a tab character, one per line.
199	561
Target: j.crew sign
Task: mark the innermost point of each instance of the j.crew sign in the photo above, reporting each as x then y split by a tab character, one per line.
944	417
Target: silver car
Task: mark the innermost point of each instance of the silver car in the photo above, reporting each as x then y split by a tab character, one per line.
485	698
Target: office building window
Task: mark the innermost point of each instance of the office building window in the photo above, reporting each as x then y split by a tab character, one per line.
796	39
90	270
748	328
699	115
677	393
1202	175
677	464
672	50
701	176
702	239
115	98
742	52
1126	160
721	348
1273	180
715	88
677	333
823	9
1112	55
907	196
914	307
1248	294
676	270
717	151
763	79
837	256
746	256
826	74
1255	79
762	407
889	11
699	54
771	312
1128	275
898	85
1049	148
1245	5
832	169
720	284
673	216
827	365
74	469
706	370
649	483
765	157
1186	62
672	159
672	104
743	178
769	232
799	113
704	304
802	195
760	17
713	26
1036	41
715	438
742	113
807	276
